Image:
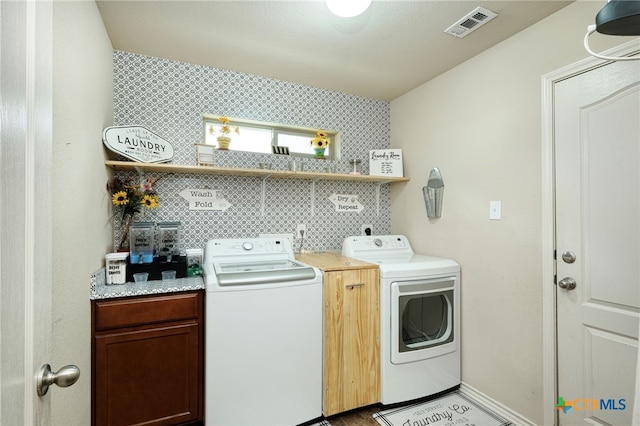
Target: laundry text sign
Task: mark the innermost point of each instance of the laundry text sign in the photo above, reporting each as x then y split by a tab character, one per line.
137	143
346	203
205	199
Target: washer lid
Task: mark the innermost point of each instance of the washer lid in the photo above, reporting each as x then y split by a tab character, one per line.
245	273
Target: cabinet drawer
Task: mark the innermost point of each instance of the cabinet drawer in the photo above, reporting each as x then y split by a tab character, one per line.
147	310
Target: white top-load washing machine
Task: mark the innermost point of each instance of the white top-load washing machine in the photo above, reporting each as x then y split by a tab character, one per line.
419	317
263	334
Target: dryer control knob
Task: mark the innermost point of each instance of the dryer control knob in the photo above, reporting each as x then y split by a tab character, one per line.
247	246
377	242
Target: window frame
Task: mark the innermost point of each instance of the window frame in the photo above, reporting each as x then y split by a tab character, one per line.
277	129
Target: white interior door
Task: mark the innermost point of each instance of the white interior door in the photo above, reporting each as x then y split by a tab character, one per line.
597	150
25	208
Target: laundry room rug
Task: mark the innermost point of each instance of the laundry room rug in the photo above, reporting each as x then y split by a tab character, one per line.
321	423
453	408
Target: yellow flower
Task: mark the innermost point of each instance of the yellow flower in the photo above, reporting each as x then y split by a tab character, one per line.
321	140
120	198
225	129
150	201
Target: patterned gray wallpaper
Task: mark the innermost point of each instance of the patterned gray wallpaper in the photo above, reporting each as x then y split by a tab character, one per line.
169	98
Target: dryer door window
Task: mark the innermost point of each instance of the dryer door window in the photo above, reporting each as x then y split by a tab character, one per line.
422	319
425	320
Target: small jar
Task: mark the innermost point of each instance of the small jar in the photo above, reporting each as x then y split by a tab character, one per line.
194	262
116	268
356	167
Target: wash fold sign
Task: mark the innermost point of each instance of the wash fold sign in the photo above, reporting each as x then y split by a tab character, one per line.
137	143
205	199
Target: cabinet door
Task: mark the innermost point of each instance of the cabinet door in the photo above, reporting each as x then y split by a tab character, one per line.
147	376
351	358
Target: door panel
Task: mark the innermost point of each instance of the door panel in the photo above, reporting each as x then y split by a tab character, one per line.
597	149
610	195
612	379
351	340
25	209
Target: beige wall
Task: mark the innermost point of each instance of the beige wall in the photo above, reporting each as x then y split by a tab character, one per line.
82	107
480	123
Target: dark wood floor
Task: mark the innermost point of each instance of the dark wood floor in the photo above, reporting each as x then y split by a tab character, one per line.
359	417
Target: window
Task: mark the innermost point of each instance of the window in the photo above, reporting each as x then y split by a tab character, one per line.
255	136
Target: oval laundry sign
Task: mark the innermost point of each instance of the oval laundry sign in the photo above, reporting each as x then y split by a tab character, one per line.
137	143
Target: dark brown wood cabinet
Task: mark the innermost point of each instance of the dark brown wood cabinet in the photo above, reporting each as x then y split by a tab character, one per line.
147	354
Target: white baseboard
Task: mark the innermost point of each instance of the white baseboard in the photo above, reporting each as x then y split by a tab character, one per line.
516	418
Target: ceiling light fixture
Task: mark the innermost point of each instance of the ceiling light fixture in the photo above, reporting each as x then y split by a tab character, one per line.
618	18
348	8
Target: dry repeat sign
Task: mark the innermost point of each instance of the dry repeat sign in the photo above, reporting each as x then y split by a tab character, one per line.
346	203
138	144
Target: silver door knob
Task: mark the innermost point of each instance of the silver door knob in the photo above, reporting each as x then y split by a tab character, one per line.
567	283
569	257
64	377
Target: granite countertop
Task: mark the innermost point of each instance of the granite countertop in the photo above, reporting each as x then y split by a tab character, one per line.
100	290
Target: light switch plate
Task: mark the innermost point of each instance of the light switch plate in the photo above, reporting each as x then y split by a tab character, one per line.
495	210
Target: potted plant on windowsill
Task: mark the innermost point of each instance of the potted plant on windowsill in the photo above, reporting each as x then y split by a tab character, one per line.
320	144
224	131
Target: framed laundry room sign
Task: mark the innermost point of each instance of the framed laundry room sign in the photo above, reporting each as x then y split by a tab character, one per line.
386	162
137	143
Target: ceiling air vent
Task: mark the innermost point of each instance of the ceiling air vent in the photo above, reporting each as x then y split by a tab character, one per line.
471	22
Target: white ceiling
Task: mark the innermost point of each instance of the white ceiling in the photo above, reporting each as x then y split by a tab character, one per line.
395	46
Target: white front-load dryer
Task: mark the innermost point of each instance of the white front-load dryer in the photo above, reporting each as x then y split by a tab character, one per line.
419	317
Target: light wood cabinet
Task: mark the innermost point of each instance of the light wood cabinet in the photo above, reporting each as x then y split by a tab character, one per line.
351	376
148	360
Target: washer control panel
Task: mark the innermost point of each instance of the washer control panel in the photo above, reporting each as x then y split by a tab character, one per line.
249	247
359	245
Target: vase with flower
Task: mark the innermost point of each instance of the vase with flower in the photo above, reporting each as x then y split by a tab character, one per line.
128	197
224	131
320	144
